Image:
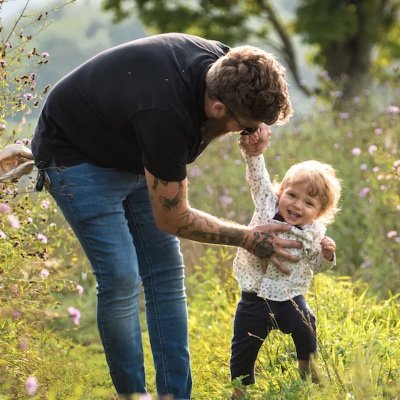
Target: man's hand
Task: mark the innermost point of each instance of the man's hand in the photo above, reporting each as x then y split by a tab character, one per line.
267	244
256	143
15	160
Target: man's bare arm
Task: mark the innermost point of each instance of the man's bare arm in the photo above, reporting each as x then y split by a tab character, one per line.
174	215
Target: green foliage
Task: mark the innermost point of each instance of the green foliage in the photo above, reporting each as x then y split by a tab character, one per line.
357	340
362	144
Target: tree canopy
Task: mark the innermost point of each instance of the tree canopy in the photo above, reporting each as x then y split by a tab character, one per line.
351	39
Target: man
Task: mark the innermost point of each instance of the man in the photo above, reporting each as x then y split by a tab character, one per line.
113	140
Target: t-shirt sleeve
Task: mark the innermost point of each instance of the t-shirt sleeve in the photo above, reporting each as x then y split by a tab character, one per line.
164	144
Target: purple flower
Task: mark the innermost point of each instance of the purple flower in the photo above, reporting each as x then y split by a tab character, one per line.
393	110
42	238
45	204
375	169
44	273
75	315
45	54
344	115
225	200
356	151
363	192
28	96
363	167
80	289
13	220
31	386
4	208
372	149
378	131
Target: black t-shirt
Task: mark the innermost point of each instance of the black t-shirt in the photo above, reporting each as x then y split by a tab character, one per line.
138	105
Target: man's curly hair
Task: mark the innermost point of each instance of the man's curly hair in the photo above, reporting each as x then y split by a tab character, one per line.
252	85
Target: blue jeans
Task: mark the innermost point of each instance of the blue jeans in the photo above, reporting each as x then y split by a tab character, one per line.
111	215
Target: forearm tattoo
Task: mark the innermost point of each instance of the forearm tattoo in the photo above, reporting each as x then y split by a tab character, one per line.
224	235
263	247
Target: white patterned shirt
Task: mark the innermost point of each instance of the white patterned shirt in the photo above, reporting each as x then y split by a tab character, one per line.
262	277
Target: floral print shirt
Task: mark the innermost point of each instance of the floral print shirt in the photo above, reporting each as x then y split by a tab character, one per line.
260	276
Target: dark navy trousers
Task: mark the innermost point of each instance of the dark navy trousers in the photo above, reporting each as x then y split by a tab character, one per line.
256	317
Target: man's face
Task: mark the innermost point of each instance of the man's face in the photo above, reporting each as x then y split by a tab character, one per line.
216	127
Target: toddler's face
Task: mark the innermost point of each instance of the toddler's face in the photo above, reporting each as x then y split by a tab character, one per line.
297	207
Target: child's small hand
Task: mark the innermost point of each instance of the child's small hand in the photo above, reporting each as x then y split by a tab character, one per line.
256	143
328	248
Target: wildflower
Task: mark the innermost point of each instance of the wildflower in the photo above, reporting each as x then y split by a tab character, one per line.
344	115
45	54
75	315
31	386
80	289
2	235
391	234
363	192
23	344
13	220
45	204
145	397
195	171
393	110
3	127
356	151
225	200
372	149
44	273
28	96
375	169
4	208
42	238
378	131
363	167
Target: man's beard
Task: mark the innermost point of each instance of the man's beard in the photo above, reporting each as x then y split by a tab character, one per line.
213	128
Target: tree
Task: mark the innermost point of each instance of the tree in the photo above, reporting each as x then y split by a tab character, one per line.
345	33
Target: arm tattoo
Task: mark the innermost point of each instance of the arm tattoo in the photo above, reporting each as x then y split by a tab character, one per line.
169	204
224	235
157	181
263	247
165	183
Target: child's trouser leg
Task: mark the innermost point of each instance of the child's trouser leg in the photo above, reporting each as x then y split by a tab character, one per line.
251	327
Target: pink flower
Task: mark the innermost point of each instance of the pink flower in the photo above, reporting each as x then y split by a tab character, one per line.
45	54
363	192
44	273
45	204
363	167
393	110
80	289
42	238
225	200
378	131
75	315
4	208
391	234
356	151
144	397
28	96
372	149
31	386
13	220
2	235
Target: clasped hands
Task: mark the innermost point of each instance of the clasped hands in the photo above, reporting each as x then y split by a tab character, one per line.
15	160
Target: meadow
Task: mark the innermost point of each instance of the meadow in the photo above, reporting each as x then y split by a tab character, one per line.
48	334
49	346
